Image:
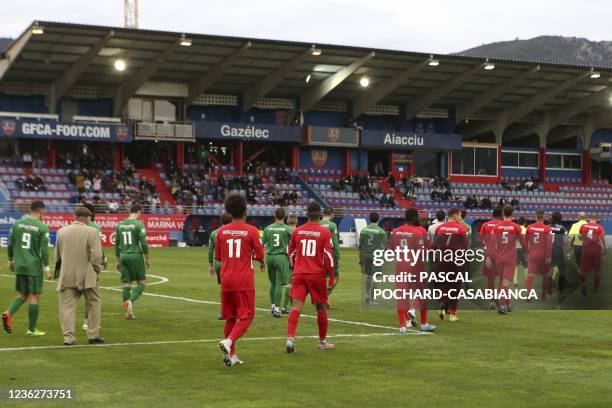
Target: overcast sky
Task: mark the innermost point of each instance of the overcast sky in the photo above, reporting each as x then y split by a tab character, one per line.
440	26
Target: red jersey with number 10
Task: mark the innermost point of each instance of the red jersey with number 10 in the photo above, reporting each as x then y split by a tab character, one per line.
237	245
539	241
503	241
310	249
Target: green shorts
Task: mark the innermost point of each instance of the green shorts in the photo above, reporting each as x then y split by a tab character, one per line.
217	266
132	268
367	266
29	284
279	271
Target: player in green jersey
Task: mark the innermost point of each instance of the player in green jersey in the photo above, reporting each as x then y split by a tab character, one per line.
28	254
130	246
94	225
328	216
371	238
275	240
214	266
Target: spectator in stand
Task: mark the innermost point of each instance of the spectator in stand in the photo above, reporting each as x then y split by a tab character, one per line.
514	203
486	204
391	181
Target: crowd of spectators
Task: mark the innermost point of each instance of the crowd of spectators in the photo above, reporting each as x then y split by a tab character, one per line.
359	183
31	182
529	184
473	203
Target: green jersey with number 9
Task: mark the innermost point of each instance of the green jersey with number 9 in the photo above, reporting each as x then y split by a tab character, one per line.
130	238
28	246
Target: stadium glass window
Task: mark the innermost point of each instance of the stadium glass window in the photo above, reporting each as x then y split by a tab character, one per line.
554	161
572	161
529	160
475	161
510	159
426	164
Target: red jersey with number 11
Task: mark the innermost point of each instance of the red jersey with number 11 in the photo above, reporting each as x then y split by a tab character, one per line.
236	246
310	249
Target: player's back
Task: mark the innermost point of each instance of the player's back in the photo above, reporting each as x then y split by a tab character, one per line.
310	244
539	240
129	236
452	235
372	238
29	238
237	244
485	233
412	237
504	236
276	237
592	236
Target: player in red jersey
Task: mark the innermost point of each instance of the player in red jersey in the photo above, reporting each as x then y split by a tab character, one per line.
488	269
310	254
593	240
453	236
237	245
414	237
539	240
505	235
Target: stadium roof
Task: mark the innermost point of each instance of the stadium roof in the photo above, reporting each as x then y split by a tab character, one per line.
517	96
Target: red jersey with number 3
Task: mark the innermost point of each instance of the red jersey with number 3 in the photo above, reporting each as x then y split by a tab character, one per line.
504	236
539	240
237	245
593	238
310	249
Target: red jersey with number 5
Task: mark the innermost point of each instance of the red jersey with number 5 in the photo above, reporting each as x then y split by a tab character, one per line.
593	238
237	245
503	241
539	241
310	249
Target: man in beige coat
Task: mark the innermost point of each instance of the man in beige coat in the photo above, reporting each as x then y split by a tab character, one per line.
78	255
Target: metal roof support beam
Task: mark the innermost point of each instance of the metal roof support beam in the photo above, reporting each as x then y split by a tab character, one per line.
63	84
508	116
13	51
428	98
199	85
263	87
563	133
129	87
318	92
372	96
562	114
481	100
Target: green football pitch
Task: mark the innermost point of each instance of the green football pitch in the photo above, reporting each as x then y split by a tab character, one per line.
168	355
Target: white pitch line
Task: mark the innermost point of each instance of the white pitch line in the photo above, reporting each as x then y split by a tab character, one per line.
163	342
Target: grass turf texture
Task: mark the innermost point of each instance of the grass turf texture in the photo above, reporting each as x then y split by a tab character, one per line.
527	358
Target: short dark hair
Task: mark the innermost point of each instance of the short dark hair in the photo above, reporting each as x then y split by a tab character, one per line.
412	216
440	215
225	218
37	206
328	211
92	210
135	208
522	221
497	212
453	211
374	217
82	211
508	210
540	214
313	211
556	217
235	205
463	214
279	214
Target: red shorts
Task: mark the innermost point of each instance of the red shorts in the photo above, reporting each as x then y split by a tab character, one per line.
313	284
537	266
238	305
489	271
506	270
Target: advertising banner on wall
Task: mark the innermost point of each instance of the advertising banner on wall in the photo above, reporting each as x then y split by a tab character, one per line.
31	128
385	139
247	132
331	136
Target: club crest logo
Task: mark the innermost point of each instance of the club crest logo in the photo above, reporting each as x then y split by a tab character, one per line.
319	157
121	132
333	134
8	127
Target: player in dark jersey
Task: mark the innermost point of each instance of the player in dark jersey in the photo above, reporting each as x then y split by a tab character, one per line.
560	248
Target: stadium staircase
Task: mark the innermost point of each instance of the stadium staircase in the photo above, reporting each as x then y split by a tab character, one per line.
164	192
